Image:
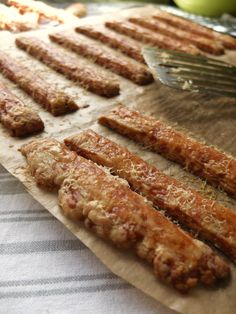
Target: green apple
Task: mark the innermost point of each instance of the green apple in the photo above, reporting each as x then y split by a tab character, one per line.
208	7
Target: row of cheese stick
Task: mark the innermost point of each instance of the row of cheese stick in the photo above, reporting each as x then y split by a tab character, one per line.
57	102
123	217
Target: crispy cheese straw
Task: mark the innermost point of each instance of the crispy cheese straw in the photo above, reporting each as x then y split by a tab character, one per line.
207	218
12	20
204	44
128	69
147	37
44	10
194	28
114	212
206	161
70	66
45	94
18	118
124	45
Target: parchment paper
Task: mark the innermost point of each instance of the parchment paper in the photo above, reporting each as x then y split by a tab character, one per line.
209	118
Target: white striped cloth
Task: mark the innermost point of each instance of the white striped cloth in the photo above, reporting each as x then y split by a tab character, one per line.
45	269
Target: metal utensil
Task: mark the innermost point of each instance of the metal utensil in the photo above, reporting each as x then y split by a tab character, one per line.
193	73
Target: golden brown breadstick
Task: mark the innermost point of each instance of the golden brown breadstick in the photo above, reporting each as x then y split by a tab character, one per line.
44	10
181	23
19	119
206	161
124	45
109	208
128	69
70	66
204	44
207	218
45	94
146	36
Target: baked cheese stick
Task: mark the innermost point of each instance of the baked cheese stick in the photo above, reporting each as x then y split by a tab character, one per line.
110	209
128	69
42	92
208	219
147	37
204	44
194	28
70	66
43	10
123	45
206	161
19	119
12	20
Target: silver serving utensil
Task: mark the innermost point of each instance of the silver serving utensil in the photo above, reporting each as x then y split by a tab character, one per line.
193	73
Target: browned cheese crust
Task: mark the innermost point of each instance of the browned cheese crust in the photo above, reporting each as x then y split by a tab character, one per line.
124	45
49	161
146	36
128	69
193	28
44	10
70	66
205	217
204	44
205	161
42	92
110	209
19	119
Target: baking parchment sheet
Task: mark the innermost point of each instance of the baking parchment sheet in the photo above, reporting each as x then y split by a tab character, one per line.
208	118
